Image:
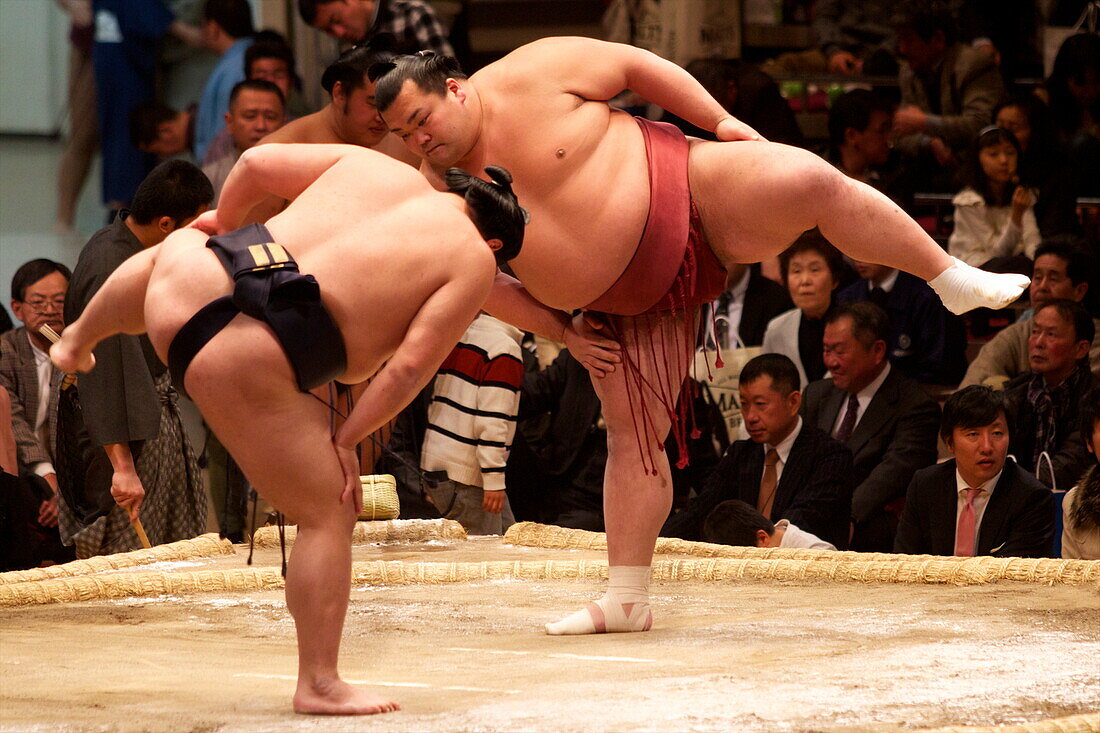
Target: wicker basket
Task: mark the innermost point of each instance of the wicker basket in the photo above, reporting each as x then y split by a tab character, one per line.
379	497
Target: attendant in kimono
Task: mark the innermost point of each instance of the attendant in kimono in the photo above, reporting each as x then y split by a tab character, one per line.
135	448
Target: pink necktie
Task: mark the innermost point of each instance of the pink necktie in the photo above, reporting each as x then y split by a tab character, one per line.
964	533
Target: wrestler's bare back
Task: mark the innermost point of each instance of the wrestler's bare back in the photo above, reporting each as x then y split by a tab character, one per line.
378	239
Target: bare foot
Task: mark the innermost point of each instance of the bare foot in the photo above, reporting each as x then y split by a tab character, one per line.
70	360
336	697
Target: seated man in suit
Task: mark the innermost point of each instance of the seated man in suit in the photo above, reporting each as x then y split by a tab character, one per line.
927	342
887	421
787	470
736	523
1047	399
980	503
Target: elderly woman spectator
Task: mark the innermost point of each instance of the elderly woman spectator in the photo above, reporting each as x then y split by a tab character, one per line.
812	271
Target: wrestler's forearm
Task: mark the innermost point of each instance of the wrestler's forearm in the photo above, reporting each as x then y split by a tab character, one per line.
672	88
389	392
510	302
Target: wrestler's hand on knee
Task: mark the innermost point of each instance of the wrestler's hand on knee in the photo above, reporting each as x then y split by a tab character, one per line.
353	488
585	339
730	128
493	501
127	491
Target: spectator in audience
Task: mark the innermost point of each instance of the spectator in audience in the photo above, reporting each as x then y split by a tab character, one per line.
471	423
80	149
255	110
1074	91
887	421
734	522
978	503
1041	166
412	22
1048	398
136	451
124	56
38	299
267	59
811	269
227	31
860	126
1081	505
856	36
270	58
25	541
788	469
571	449
350	118
995	225
1062	271
947	89
162	131
744	309
927	342
748	94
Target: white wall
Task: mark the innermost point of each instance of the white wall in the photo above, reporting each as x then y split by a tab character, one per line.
34	57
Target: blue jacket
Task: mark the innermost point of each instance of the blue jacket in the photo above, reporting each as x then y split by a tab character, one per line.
927	342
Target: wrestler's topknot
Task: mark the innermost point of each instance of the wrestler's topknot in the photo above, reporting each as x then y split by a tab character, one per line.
428	69
494	208
357	62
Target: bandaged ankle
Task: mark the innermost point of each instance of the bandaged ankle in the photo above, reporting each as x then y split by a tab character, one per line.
962	287
625	606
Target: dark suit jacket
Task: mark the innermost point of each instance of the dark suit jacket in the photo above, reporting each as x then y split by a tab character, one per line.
895	437
1070	458
563	391
764	300
1018	520
927	342
814	492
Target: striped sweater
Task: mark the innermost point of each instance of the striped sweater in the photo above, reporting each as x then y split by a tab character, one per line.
472	417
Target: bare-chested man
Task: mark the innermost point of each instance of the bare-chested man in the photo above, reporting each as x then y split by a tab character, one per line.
351	117
631	220
402	270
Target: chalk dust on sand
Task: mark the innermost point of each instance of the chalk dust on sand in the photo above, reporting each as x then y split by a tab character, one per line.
746	656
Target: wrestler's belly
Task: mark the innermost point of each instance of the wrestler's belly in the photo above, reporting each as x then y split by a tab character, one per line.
583	234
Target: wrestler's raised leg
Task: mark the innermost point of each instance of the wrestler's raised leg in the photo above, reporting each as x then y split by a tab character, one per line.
117	307
280	439
636	502
757	198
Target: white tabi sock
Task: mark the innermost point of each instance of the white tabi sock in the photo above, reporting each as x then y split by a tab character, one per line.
962	287
624	607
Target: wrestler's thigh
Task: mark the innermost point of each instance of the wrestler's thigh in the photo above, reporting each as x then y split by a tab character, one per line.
756	198
279	436
655	344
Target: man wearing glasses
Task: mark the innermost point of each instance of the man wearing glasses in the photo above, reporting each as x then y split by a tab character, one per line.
37	298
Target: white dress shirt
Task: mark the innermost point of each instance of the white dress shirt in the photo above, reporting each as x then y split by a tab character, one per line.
795	537
864	397
784	449
887	284
41	423
980	502
732	315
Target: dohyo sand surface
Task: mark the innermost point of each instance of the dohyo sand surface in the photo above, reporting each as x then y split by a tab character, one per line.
722	656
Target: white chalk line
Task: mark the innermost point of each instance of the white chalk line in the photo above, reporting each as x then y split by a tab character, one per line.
374	683
562	655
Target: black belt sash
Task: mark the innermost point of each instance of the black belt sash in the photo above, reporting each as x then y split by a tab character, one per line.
269	288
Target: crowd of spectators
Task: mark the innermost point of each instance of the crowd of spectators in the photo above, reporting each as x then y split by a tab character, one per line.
871	418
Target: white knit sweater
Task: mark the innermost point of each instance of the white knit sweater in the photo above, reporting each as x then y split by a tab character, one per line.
472	417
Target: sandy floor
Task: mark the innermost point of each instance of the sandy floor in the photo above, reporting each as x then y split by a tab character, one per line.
721	657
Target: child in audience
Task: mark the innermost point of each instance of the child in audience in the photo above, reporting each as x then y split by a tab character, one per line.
471	423
734	522
995	226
